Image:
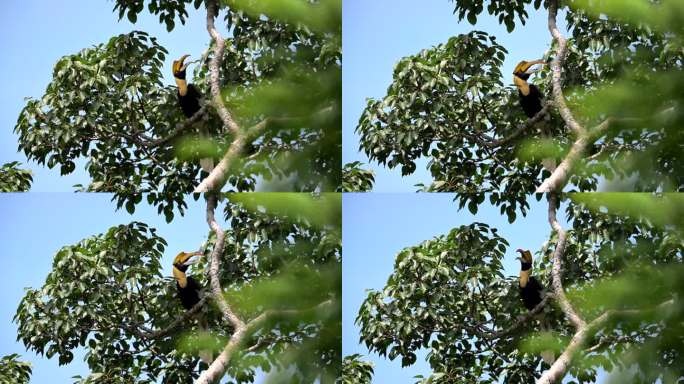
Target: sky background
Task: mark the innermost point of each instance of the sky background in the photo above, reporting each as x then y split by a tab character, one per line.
52	29
377	34
377	226
34	226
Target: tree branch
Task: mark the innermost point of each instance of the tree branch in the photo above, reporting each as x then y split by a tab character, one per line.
219	365
522	319
215	260
217	177
556	69
560	175
177	322
180	127
584	333
521	128
558	253
214	68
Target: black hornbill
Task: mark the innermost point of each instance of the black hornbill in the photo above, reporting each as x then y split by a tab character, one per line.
188	291
530	101
188	288
189	99
531	293
530	96
530	288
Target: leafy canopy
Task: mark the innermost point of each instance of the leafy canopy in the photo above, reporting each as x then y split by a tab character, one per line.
110	104
356	179
108	295
451	104
355	370
14	179
449	295
12	370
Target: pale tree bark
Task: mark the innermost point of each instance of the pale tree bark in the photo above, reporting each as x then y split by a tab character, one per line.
583	331
217	177
215	265
556	273
583	137
562	363
560	175
242	330
218	366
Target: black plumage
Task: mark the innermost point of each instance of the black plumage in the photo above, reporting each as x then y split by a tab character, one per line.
530	288
531	103
189	100
530	96
189	103
188	95
189	292
187	286
531	293
189	295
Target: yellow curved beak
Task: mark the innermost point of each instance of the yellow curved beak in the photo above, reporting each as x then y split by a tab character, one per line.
178	64
523	66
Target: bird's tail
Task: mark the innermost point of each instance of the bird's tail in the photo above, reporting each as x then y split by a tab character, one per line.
549	163
205	354
207	163
547	355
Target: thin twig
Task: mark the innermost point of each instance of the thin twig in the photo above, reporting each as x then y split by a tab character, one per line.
181	320
524	319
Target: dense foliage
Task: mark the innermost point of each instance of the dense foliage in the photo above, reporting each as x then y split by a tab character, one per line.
356	179
621	79
449	295
355	370
14	179
452	104
111	105
12	370
108	295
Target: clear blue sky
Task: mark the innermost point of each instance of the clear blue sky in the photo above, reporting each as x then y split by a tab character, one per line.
34	226
376	34
36	33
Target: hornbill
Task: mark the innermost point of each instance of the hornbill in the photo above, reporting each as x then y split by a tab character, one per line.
530	100
189	99
188	291
531	293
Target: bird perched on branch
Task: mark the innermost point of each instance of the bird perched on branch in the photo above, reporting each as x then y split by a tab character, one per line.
531	101
530	96
189	290
531	292
189	99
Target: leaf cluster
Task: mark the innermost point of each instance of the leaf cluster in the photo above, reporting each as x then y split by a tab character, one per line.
463	119
107	295
167	10
14	179
506	11
357	179
448	295
355	370
110	105
13	370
